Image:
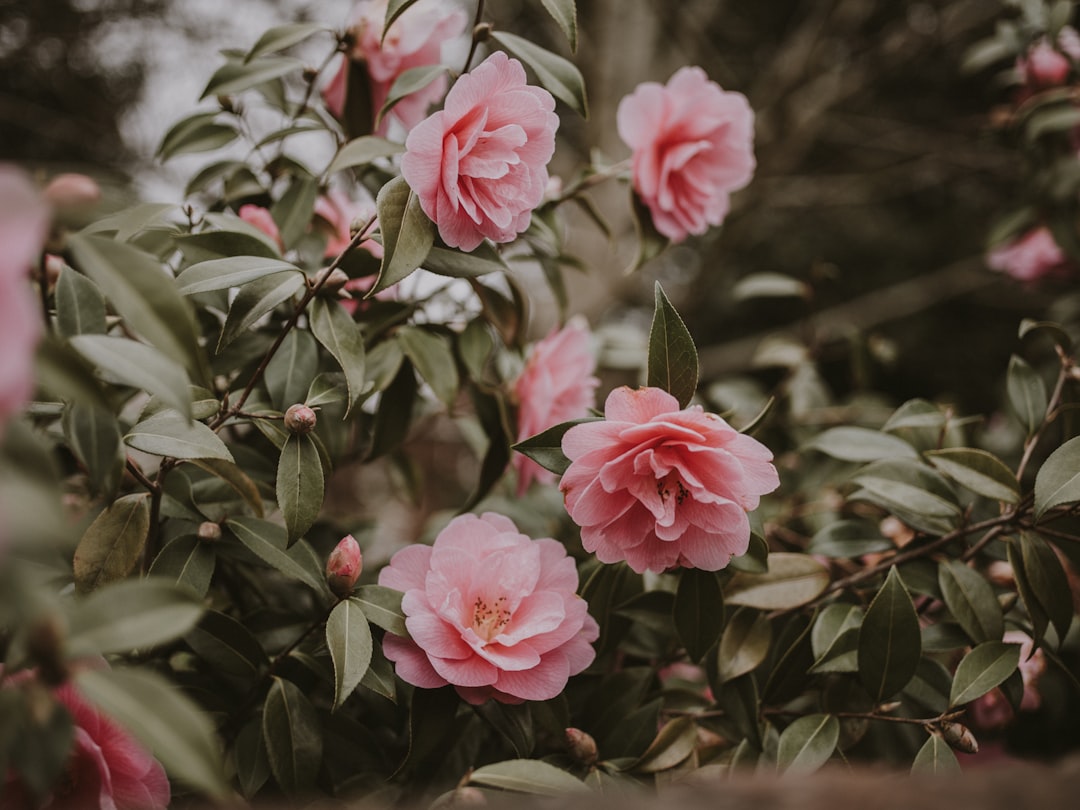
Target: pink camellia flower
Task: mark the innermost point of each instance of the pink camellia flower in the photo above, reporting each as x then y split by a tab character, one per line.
659	486
24	223
343	566
993	711
556	385
489	611
1033	256
1046	66
416	39
339	211
107	769
262	219
479	165
693	144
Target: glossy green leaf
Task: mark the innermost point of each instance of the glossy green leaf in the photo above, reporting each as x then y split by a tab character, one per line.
457	264
236	478
290	372
227	646
555	74
1048	581
971	601
848	539
80	306
348	638
981	472
395	412
341	336
131	614
743	645
407	233
362	152
915	493
564	12
61	373
841	656
1036	612
379	677
792	580
300	485
293	211
433	359
394	9
807	744
187	129
528	776
546	448
293	737
982	669
831	623
281	37
1060	337
93	434
935	758
409	81
1058	479
651	243
673	359
1027	394
168	433
698	611
249	753
849	443
188	562
674	743
756	558
222	274
112	545
266	541
254	300
140	366
382	606
168	723
889	640
237	76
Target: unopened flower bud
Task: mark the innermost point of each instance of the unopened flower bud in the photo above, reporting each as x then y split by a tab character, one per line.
72	191
54	265
45	644
343	566
959	736
1001	573
336	280
896	530
581	746
482	32
209	531
300	419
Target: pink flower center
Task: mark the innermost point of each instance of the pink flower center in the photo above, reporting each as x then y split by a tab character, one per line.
670	485
490	618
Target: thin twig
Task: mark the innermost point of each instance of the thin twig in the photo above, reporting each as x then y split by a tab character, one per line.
475	35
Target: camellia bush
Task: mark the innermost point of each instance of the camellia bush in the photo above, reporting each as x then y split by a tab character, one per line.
615	590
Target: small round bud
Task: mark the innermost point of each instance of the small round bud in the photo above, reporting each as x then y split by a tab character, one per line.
482	32
959	736
581	746
209	531
1001	573
300	419
343	567
310	74
71	190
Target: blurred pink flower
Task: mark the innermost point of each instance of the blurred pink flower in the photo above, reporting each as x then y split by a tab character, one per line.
693	144
1047	66
24	223
489	611
72	191
107	768
992	711
1031	257
261	218
556	385
479	166
338	211
415	39
659	486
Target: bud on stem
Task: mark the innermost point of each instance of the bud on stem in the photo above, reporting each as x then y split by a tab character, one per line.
300	419
343	567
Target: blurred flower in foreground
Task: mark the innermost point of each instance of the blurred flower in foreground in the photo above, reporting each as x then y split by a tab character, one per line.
1030	257
1046	66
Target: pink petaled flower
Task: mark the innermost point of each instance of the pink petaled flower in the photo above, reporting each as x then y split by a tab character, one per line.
1031	257
659	486
1047	66
24	223
693	144
556	385
489	611
261	218
107	768
479	166
993	711
415	39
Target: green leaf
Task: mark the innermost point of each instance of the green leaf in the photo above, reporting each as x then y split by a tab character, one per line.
651	243
293	211
266	541
141	292
394	9
698	611
80	306
792	580
457	264
1050	119
382	606
249	753
339	333
291	370
362	152
349	639
971	601
433	359
756	558
293	737
981	472
131	614
1027	394
236	478
165	721
196	133
254	300
188	562
227	646
395	412
140	366
300	485
673	744
889	640
831	623
1048	581
807	744
112	545
236	76
546	448
744	644
914	492
1060	337
407	233
1036	613
935	758
861	444
379	677
408	82
673	359
528	776
222	274
848	539
564	12
1058	480
93	434
167	433
982	669
281	37
555	74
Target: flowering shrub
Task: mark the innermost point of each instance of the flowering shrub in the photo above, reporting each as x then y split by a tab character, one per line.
300	528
